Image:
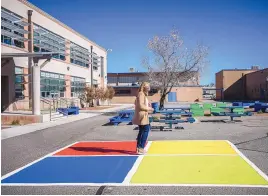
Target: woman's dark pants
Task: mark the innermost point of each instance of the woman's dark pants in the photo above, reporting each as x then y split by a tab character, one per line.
143	135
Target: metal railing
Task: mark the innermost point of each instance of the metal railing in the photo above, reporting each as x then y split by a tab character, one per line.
47	105
47	101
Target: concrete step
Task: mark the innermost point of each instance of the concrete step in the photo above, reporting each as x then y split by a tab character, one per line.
57	116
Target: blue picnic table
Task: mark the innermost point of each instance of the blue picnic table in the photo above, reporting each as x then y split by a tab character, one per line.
123	116
176	121
171	119
170	113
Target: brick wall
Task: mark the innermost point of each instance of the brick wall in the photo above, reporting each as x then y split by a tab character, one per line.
255	84
219	84
23	119
189	94
185	94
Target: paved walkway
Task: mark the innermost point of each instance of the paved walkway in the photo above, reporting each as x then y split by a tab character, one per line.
20	130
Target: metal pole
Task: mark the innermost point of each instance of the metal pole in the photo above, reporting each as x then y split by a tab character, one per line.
266	93
91	67
36	88
30	49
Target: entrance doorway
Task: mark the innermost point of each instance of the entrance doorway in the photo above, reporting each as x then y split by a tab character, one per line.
4	93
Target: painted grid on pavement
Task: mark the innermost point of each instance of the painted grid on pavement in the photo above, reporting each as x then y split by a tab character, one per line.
167	163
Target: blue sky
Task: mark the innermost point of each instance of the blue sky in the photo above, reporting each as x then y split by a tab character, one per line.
235	30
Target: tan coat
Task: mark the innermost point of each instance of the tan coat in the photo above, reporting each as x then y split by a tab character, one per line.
141	116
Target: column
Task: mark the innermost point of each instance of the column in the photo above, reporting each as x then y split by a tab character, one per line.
30	59
36	89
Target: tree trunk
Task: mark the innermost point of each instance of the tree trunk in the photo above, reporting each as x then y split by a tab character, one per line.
162	101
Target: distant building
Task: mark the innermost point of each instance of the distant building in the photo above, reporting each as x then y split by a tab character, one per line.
126	87
209	92
242	84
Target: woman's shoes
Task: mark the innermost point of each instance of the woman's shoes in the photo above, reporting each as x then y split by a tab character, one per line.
140	151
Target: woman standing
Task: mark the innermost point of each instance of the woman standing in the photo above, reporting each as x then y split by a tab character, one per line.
141	116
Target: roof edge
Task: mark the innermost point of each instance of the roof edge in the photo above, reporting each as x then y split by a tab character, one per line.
25	2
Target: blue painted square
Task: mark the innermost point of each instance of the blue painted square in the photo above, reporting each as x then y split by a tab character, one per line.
98	169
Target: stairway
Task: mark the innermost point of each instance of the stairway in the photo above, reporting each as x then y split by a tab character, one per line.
57	116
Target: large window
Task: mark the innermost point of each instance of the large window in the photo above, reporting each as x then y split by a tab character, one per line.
123	92
19	83
79	55
12	29
96	61
52	85
47	41
128	79
153	91
112	80
77	86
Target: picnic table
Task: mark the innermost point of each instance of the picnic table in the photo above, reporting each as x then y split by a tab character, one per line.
177	108
233	114
231	108
169	113
176	121
123	116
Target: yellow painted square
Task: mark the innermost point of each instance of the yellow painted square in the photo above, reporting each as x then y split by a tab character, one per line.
191	147
196	170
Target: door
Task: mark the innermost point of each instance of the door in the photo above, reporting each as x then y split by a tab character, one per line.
172	97
4	93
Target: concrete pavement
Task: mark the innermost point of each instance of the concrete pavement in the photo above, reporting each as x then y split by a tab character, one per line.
20	130
250	136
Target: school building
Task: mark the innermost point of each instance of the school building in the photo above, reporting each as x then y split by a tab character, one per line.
126	87
243	84
76	61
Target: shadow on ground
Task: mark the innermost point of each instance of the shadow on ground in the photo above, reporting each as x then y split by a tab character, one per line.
102	150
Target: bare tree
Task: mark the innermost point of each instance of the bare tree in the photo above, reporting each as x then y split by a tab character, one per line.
111	93
99	93
172	63
88	96
106	94
211	84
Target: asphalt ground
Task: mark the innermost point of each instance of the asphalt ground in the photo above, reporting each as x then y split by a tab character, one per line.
249	136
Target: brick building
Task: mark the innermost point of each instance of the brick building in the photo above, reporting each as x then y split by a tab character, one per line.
126	86
242	84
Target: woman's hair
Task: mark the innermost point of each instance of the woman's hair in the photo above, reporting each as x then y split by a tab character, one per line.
143	85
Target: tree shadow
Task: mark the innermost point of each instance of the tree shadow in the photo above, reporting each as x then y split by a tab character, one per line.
234	121
253	150
213	121
252	140
111	124
107	124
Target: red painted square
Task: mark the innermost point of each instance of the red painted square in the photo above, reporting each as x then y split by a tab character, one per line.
100	148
